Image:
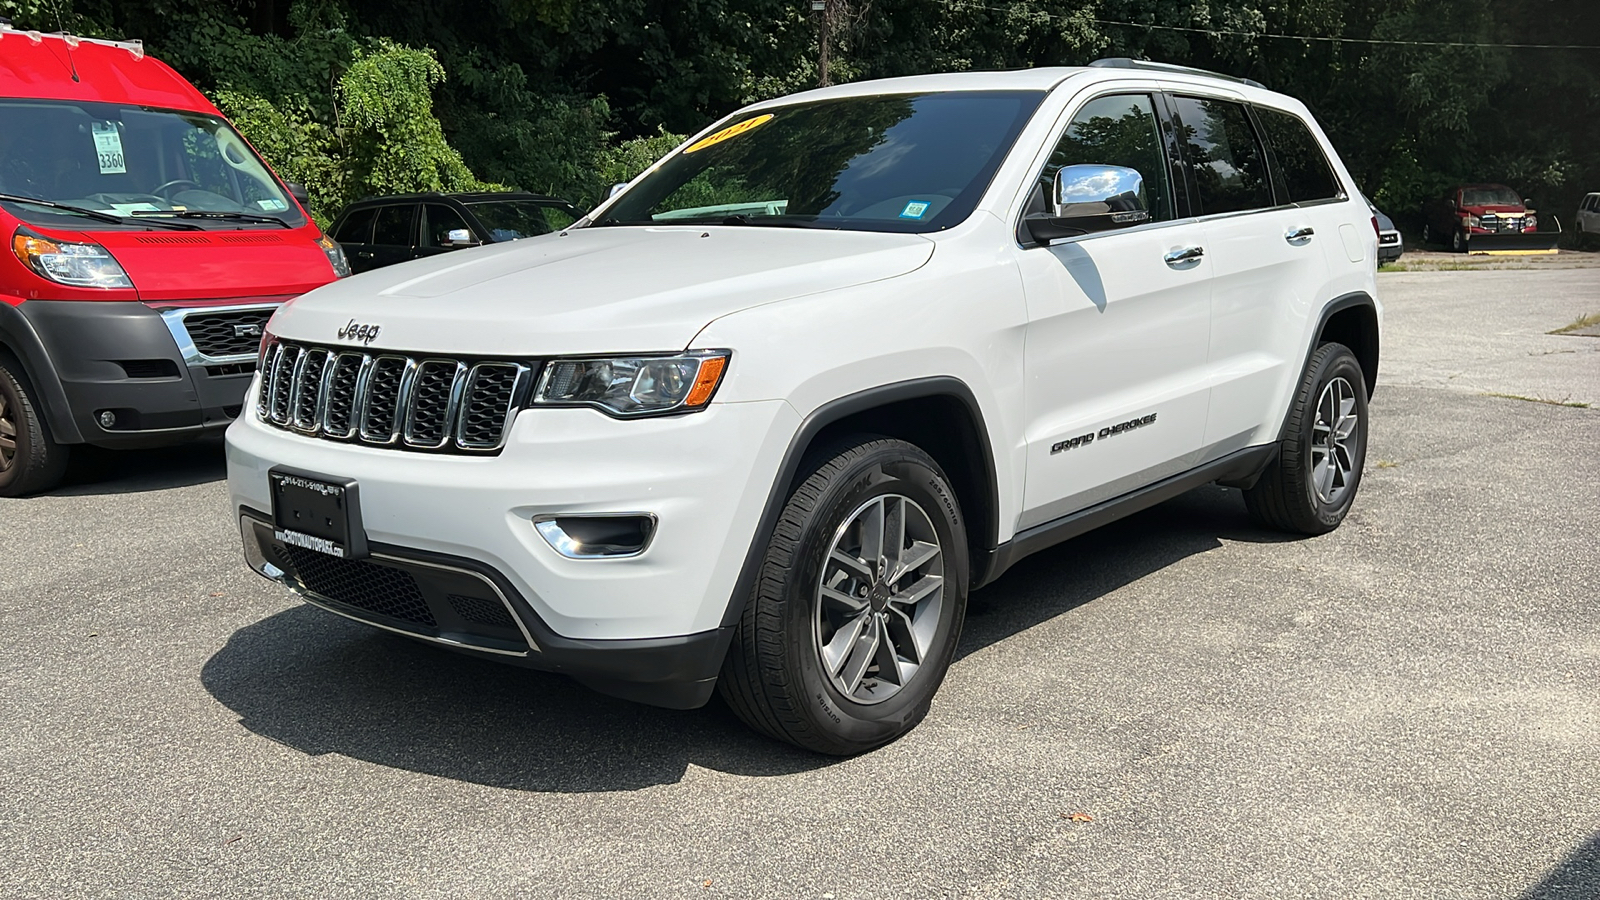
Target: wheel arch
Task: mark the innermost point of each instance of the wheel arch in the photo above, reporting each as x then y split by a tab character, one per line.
19	341
939	414
1352	320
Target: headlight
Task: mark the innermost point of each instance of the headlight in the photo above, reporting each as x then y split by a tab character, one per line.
67	262
336	257
634	385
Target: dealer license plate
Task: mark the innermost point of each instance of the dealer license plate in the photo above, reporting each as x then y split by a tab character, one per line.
314	514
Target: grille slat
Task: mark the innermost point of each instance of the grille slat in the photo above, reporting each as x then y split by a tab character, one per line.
218	334
414	403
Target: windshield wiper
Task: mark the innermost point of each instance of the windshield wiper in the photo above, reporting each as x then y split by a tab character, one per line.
93	213
214	214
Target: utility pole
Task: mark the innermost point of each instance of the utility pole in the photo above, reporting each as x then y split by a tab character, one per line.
823	23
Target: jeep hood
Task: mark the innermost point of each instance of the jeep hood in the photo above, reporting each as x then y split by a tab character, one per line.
592	290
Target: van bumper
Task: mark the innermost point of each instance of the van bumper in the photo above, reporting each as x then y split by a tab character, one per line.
122	358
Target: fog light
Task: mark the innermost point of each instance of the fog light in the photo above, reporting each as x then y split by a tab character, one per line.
606	536
108	419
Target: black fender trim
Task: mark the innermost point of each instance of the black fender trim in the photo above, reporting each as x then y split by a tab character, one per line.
18	335
1236	465
834	411
1334	306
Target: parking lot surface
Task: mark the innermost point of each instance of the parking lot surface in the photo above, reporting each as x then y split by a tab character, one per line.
1178	705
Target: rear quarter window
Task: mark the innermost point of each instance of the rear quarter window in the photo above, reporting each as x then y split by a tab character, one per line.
1305	168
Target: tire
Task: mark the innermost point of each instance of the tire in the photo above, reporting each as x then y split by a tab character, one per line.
790	670
1459	242
1307	489
30	460
1427	234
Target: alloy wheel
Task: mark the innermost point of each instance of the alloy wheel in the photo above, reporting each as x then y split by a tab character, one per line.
878	598
1335	442
8	433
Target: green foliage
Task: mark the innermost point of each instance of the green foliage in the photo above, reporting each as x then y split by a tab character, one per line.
568	96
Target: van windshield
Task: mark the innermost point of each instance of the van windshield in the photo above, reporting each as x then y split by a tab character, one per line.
135	162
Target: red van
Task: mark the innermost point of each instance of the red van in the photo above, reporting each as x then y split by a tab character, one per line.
147	244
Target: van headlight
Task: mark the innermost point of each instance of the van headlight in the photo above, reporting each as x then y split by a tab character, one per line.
631	386
336	257
69	262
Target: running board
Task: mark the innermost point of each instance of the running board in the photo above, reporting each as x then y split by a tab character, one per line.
1240	466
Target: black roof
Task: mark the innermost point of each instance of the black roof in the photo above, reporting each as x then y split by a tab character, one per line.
468	197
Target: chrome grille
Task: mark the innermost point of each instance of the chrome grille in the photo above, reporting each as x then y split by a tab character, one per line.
413	403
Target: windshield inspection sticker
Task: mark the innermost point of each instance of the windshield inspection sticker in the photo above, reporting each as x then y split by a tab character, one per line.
108	148
916	209
730	132
272	205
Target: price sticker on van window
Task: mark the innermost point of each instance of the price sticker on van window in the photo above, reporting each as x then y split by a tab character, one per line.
108	148
731	131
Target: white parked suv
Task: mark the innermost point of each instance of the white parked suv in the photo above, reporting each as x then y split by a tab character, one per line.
762	420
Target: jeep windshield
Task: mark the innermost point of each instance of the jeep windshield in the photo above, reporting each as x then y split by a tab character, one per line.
133	162
900	162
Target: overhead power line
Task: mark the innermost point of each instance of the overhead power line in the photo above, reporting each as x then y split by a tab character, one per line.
1288	37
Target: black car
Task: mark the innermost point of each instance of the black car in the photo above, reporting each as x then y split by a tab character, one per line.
381	231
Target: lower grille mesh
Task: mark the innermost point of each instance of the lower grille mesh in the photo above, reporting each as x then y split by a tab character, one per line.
363	585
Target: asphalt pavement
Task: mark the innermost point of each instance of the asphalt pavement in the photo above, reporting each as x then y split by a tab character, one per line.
1178	705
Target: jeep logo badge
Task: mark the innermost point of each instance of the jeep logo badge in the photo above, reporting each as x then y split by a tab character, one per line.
247	331
366	334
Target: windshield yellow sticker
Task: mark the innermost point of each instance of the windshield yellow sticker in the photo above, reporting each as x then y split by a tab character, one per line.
729	132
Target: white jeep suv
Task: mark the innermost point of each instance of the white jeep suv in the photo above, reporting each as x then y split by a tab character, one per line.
762	420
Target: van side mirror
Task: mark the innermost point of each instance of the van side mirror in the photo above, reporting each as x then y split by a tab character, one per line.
459	237
298	192
1086	199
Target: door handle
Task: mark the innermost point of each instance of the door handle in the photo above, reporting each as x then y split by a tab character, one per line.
364	254
1299	236
1184	256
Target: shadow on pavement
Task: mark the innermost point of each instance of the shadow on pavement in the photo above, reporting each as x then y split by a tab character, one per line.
1064	577
93	470
1577	877
319	684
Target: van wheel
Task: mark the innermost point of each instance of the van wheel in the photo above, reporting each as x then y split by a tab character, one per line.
1313	482
30	461
862	592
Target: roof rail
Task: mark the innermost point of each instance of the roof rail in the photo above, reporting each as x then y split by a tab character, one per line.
1123	62
134	47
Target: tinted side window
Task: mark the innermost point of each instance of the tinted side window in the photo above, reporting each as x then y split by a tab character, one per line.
1305	167
357	227
394	226
1120	130
1223	156
441	221
557	218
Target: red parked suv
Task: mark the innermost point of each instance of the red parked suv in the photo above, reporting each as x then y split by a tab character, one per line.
147	245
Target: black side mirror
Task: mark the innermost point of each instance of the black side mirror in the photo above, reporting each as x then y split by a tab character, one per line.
1085	199
298	192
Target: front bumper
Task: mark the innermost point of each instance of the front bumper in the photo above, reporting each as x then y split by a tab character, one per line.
122	357
705	476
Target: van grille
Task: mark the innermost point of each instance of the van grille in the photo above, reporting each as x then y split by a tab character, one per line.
227	334
392	400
